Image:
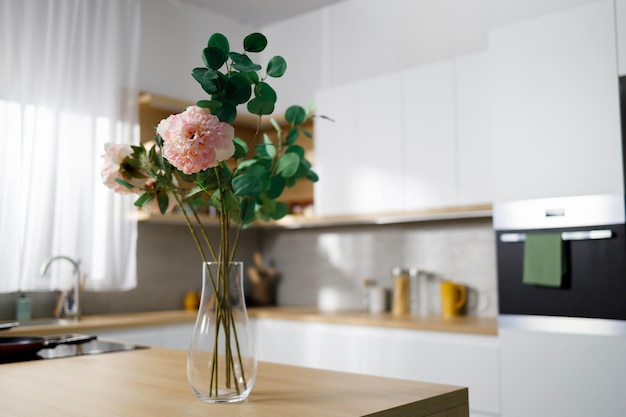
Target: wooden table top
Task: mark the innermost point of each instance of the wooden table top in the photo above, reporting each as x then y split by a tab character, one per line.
153	382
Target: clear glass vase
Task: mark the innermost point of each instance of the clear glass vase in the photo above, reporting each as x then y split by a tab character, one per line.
222	364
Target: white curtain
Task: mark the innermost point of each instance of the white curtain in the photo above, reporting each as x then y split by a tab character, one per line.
68	71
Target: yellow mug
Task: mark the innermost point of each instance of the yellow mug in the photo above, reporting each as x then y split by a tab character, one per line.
453	297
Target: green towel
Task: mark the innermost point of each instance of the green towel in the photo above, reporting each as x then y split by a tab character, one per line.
544	259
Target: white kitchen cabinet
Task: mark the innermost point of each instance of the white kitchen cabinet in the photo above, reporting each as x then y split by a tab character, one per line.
359	154
335	143
377	170
447	358
429	136
412	140
556	126
473	129
547	374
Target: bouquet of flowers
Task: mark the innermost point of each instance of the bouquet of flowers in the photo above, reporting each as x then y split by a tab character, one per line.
198	161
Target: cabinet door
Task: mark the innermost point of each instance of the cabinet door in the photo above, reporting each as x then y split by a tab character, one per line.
556	106
465	360
429	137
335	143
548	374
377	163
473	129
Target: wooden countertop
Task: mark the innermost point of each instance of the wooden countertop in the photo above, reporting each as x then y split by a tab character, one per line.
463	324
93	324
153	382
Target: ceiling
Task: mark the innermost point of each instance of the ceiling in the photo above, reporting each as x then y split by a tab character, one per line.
260	13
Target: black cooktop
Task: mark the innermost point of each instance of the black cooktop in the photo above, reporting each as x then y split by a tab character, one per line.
90	347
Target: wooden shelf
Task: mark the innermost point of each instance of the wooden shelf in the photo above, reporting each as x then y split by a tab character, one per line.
303	222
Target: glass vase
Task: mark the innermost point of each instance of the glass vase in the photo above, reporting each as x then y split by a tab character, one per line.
221	363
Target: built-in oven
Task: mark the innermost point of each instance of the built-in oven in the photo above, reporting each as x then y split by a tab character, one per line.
562	325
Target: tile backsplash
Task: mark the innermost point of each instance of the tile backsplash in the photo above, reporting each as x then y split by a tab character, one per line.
326	266
322	267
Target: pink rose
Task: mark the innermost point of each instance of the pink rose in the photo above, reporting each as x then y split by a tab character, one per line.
195	140
113	158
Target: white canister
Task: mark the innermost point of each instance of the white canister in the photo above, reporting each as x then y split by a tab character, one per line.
377	299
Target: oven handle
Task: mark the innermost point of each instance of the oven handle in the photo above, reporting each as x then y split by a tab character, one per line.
577	235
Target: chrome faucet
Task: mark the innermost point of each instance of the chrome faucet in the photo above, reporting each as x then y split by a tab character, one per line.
71	304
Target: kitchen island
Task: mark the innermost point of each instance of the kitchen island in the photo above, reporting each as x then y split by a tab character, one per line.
152	382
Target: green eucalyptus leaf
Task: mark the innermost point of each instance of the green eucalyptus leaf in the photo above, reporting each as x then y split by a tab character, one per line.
252	76
281	210
243	63
209	104
241	148
214	57
260	106
277	185
288	165
206	77
298	150
245	165
227	112
159	141
306	133
292	136
270	148
220	41
247	185
254	42
262	215
312	176
295	115
238	89
246	211
276	67
303	169
276	126
264	91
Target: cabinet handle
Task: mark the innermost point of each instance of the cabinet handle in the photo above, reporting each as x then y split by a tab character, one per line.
578	235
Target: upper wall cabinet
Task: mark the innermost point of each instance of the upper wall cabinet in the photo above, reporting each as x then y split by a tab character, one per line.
334	162
418	139
473	129
429	137
359	158
556	127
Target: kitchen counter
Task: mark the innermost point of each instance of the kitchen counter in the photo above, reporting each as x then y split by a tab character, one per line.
96	323
153	382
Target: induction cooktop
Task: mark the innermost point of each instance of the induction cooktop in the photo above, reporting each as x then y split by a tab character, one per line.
92	346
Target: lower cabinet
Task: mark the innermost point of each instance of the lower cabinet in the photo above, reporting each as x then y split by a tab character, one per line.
174	336
546	374
446	358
